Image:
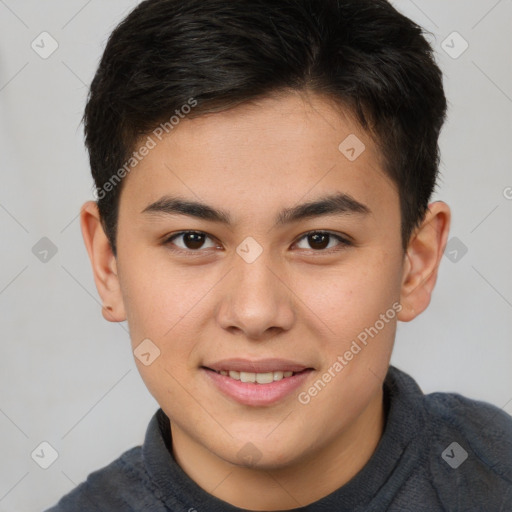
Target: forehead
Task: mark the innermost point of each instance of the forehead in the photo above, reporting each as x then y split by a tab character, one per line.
278	149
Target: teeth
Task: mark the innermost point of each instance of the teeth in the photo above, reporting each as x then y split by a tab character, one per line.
247	377
265	378
259	378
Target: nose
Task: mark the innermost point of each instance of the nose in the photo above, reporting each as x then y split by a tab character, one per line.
256	300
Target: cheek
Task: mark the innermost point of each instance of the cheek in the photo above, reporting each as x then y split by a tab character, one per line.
171	307
158	296
352	297
165	308
360	305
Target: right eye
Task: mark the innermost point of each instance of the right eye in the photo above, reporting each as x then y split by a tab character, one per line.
191	241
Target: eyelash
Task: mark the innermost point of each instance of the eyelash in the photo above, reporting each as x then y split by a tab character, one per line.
344	242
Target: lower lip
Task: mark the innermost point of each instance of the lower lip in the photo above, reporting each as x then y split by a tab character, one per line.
249	393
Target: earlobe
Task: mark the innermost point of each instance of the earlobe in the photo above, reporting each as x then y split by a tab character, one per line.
422	260
103	262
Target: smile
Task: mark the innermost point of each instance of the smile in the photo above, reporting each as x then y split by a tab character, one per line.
257	383
258	378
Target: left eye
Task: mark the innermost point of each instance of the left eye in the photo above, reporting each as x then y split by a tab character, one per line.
319	240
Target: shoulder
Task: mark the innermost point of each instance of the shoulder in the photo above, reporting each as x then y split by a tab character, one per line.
486	428
118	486
460	449
483	428
470	450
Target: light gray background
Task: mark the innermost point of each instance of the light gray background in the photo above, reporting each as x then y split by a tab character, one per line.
68	377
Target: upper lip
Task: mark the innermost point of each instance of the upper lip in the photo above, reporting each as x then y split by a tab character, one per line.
256	366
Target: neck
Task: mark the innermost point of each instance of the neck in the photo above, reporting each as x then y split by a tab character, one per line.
309	479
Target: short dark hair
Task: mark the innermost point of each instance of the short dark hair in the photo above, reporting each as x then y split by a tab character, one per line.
363	54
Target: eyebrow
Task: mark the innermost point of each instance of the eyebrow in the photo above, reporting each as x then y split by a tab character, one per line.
334	204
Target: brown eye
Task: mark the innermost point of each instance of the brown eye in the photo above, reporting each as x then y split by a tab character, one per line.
190	240
321	240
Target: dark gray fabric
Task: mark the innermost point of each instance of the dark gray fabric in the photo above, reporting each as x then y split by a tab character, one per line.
406	473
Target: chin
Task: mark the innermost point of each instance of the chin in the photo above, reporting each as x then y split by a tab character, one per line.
262	454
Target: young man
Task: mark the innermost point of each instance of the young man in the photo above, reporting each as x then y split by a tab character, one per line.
263	172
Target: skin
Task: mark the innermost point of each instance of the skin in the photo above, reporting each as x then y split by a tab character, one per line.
296	301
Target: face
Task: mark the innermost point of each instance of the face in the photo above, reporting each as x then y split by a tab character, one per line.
251	246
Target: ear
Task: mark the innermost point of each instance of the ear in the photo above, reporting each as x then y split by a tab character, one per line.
422	259
103	263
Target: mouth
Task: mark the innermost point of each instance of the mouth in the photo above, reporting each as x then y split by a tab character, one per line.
258	378
256	383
